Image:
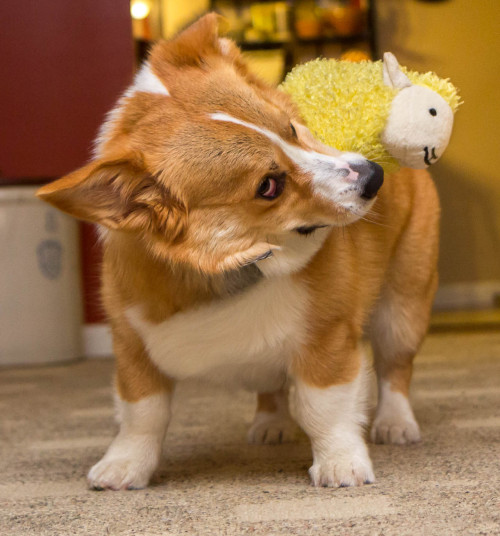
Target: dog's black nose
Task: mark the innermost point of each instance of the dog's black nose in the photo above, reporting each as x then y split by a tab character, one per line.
371	177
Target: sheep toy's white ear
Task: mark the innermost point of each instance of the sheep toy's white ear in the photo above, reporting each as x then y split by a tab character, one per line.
392	73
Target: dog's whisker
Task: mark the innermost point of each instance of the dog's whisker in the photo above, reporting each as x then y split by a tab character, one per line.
365	217
375	216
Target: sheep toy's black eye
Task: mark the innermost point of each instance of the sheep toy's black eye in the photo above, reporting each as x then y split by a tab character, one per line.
271	186
432	111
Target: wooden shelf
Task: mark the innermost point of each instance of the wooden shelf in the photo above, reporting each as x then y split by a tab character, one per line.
325	40
300	41
294	47
262	45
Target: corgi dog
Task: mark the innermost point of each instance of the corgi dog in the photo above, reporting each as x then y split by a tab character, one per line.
239	249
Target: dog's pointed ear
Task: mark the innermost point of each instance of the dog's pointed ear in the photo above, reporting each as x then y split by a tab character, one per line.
119	195
190	47
232	53
195	47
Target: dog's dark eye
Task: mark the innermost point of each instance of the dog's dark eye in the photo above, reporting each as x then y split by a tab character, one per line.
433	111
294	132
268	188
271	186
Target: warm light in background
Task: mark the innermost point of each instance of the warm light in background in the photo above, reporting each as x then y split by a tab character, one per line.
139	9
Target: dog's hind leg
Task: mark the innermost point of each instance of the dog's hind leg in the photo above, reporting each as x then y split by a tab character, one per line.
398	327
143	398
401	317
272	422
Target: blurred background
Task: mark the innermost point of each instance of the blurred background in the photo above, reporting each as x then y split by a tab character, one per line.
63	64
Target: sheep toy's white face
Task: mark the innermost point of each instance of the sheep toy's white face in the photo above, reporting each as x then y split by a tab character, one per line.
420	121
418	128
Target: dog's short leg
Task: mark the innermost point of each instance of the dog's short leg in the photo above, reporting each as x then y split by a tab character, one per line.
398	327
272	423
143	409
330	407
401	316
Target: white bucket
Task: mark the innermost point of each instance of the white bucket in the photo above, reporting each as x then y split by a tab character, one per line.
40	293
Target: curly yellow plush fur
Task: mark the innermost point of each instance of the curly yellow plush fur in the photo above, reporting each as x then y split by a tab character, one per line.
346	105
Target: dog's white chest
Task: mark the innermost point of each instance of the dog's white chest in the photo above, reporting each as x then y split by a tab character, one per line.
247	339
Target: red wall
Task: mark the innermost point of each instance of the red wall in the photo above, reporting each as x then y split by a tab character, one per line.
62	65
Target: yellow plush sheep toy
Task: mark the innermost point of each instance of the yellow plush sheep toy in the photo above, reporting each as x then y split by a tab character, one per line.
389	114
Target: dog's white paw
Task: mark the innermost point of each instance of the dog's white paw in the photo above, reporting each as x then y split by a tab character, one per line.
118	474
271	429
344	469
394	421
395	429
127	465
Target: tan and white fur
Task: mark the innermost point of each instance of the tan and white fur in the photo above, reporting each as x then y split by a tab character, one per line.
239	249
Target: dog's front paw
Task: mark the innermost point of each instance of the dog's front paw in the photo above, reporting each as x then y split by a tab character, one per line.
126	465
271	429
395	429
342	470
117	475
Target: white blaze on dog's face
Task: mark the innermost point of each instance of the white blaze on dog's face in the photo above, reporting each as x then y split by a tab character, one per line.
210	166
